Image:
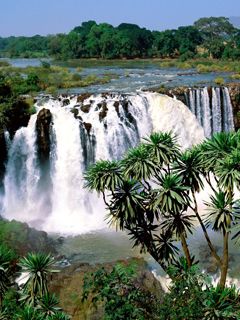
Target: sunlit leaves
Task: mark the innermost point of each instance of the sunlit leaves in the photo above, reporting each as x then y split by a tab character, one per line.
219	210
104	175
163	148
190	168
172	196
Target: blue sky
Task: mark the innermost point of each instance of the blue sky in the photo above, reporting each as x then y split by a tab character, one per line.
29	17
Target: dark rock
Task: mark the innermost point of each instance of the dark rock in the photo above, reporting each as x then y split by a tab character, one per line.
65	102
87	126
116	106
18	116
234	91
83	97
3	157
43	123
103	112
75	112
85	108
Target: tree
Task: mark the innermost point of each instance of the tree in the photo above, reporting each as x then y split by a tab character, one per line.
188	39
7	257
164	43
215	32
38	266
153	194
214	27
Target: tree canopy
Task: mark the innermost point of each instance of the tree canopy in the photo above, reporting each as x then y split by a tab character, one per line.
216	35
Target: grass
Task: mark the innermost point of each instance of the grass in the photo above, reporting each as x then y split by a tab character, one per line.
203	65
58	77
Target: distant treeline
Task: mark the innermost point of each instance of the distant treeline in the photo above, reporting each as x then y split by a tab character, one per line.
212	37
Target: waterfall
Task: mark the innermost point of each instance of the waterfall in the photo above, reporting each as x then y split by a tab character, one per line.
83	131
212	108
22	175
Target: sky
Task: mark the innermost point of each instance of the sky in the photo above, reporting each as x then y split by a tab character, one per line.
30	17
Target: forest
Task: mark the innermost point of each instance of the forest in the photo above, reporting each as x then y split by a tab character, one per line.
213	37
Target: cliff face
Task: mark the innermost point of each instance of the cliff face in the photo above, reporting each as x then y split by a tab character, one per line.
234	91
44	119
182	93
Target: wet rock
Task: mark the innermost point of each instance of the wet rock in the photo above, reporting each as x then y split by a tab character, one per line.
3	156
116	106
43	123
83	97
87	126
234	91
85	108
75	112
103	112
70	279
65	102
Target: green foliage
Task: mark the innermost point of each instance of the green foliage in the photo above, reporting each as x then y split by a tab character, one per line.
219	81
191	296
32	301
117	289
215	35
38	266
153	193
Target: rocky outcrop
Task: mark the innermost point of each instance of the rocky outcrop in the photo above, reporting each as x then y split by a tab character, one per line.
65	102
87	126
85	108
70	280
43	124
3	156
83	97
234	91
104	110
23	239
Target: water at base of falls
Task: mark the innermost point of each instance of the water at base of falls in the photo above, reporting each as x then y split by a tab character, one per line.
100	127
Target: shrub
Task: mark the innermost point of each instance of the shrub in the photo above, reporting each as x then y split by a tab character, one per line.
219	81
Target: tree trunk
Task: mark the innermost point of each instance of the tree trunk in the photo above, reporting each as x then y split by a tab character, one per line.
224	267
186	250
209	242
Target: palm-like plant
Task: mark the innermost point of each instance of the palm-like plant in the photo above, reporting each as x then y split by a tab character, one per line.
180	224
104	175
126	207
138	164
163	148
228	171
172	195
38	266
166	249
220	217
29	313
217	147
48	305
189	167
59	316
220	213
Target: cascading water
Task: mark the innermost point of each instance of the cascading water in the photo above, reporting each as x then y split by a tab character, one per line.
83	131
213	109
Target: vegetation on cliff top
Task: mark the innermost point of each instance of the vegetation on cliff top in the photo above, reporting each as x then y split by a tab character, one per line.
214	36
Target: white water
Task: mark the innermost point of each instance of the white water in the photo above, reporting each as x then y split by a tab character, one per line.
72	210
213	112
